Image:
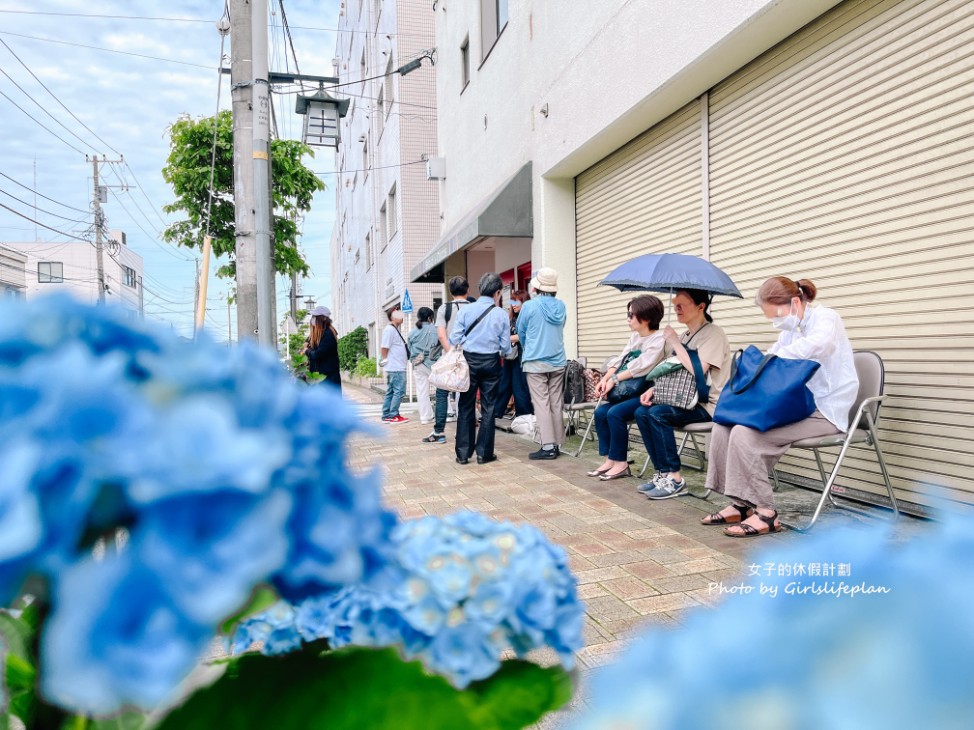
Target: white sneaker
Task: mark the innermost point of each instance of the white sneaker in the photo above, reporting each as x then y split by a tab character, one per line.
451	417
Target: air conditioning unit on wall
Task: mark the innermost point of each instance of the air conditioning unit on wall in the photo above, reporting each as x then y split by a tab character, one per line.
436	168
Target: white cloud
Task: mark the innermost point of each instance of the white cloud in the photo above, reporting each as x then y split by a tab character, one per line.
129	102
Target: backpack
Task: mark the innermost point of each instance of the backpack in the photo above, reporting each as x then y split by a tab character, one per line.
436	351
574	382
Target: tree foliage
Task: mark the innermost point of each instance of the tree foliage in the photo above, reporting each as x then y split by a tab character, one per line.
187	170
352	348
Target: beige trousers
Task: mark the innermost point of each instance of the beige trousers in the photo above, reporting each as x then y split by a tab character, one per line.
548	398
741	458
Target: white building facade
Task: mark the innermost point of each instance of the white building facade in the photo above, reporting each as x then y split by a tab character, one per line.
386	209
72	268
13	273
809	138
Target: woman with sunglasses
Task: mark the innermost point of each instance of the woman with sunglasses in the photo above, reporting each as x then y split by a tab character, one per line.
640	355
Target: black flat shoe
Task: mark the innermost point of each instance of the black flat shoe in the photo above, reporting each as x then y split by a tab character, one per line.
486	459
462	461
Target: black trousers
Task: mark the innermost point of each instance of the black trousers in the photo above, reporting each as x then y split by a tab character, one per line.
485	373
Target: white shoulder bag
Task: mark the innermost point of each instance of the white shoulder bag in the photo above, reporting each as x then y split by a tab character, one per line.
451	372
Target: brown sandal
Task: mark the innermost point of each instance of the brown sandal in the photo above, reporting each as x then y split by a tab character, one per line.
751	531
718	519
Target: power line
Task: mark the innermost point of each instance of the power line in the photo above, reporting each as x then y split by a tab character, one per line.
182	20
43	108
42	210
106	50
38	123
290	40
57	99
141	188
25	217
26	187
369	169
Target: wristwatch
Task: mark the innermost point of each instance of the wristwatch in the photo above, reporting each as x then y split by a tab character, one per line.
615	377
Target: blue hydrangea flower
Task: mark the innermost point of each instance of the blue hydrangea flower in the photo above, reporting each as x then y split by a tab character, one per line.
225	473
462	590
887	645
115	638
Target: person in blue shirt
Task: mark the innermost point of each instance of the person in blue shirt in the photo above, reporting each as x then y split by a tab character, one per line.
483	330
541	330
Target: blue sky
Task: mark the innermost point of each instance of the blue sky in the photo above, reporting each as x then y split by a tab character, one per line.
128	101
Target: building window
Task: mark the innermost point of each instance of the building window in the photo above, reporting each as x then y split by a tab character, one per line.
129	277
358	254
393	217
465	63
390	90
376	10
493	20
365	158
383	227
368	251
50	272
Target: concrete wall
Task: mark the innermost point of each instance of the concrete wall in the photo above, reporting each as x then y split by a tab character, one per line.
566	83
80	272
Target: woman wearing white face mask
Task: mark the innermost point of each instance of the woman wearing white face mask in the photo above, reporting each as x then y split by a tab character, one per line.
741	457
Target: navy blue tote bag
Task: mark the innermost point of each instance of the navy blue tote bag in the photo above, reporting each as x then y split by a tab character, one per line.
766	391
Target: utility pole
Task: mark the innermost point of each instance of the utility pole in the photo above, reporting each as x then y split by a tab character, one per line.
241	94
267	327
96	202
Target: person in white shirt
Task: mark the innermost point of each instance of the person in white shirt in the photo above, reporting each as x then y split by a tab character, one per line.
742	457
394	357
641	354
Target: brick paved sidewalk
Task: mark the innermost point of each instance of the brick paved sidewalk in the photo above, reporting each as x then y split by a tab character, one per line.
638	562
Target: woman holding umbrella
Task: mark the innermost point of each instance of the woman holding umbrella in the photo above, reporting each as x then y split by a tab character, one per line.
657	421
643	351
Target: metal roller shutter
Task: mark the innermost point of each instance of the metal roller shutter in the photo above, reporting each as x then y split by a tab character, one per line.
846	155
643	198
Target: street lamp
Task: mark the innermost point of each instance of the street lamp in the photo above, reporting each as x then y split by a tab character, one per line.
322	113
309	302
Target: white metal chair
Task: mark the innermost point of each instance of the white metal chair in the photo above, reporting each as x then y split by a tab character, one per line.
863	420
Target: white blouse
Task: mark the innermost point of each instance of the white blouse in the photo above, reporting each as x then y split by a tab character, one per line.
821	337
650	353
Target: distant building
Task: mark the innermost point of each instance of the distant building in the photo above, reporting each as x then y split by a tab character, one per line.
387	212
13	273
72	267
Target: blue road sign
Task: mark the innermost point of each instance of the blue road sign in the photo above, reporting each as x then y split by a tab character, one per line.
407	303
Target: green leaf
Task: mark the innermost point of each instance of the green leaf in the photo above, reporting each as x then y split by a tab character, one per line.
17	635
366	689
519	694
263	597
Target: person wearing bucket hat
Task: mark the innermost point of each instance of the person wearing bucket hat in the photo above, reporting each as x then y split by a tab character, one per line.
322	347
541	330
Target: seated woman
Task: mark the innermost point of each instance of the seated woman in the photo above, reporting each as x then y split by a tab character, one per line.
742	457
640	355
657	421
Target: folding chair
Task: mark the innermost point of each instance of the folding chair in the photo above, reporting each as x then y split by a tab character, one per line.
863	421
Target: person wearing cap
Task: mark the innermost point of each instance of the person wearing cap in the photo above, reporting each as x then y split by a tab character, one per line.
483	330
322	348
394	358
541	330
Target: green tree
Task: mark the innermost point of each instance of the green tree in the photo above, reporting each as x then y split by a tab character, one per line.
188	172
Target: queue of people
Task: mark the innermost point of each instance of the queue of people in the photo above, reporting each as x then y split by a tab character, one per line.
632	387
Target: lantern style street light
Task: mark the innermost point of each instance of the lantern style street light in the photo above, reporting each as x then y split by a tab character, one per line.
322	113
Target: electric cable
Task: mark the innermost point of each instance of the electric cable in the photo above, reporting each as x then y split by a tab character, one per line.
57	99
26	187
38	123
